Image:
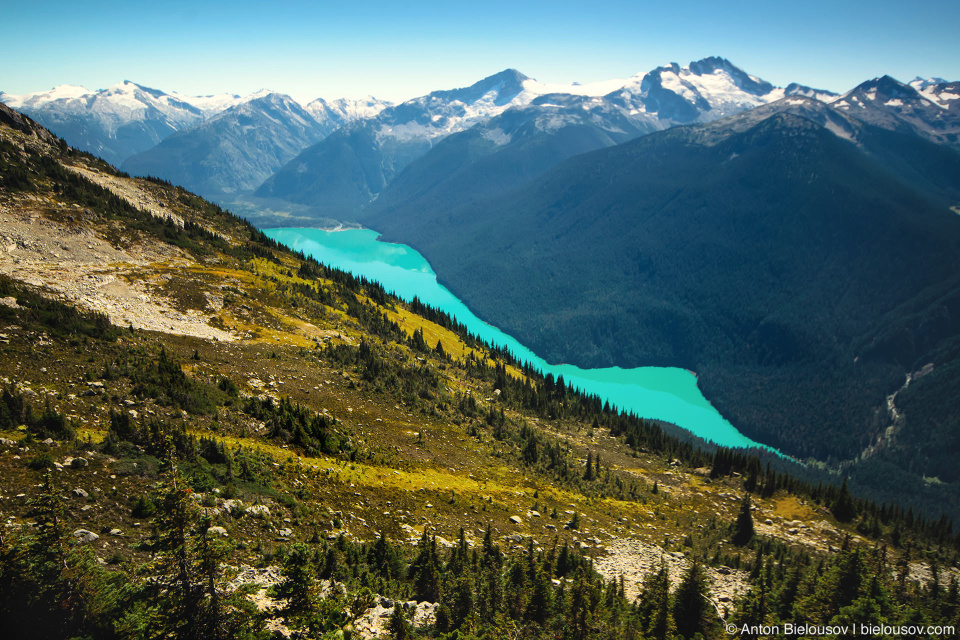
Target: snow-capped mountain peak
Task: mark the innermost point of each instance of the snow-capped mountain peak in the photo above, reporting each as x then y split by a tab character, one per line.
592	89
256	95
919	83
118	121
702	91
344	110
940	92
794	89
40	98
885	91
723	68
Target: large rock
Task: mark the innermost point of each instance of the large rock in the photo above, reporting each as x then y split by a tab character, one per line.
79	493
258	511
85	536
230	506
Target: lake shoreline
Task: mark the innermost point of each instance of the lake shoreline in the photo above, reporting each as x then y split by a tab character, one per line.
666	394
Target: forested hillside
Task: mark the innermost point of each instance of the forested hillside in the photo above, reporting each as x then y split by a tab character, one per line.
801	275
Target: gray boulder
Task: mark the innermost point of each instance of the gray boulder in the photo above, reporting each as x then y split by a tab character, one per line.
85	536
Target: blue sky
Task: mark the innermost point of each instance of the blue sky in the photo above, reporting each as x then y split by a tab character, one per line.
397	51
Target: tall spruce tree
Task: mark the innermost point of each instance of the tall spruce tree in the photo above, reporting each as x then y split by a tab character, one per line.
743	528
692	610
656	608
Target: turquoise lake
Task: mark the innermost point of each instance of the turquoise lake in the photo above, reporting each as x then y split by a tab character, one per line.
651	392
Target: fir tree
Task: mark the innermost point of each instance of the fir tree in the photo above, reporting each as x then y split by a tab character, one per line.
299	587
843	507
541	600
176	584
656	601
743	528
399	627
692	610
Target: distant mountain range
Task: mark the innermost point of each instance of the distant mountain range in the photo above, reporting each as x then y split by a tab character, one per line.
214	145
346	171
117	122
336	157
235	150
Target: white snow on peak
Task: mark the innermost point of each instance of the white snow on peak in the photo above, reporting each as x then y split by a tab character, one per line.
718	88
344	110
933	89
256	95
919	83
40	98
211	104
497	136
822	96
593	89
124	102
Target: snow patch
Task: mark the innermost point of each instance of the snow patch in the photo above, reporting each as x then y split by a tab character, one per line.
554	121
839	131
593	89
497	136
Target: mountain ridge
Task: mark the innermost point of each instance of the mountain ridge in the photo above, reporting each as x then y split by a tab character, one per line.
406	132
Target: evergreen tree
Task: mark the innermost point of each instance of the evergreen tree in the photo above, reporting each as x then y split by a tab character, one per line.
579	617
541	600
843	507
515	591
425	570
743	528
692	609
399	627
176	587
299	586
656	603
48	589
